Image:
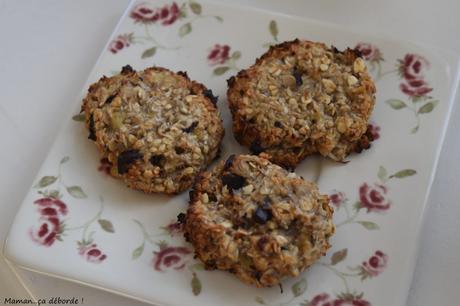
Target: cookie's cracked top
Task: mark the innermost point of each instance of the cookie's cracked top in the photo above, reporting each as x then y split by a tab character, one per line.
257	220
158	129
300	98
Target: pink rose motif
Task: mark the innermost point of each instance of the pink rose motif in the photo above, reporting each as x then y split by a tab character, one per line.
369	52
412	66
374	130
51	207
337	198
219	54
91	253
374	198
171	258
322	299
325	299
415	87
169	14
145	13
120	42
375	265
48	231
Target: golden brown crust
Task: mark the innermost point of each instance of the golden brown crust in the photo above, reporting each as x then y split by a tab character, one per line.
301	98
157	128
255	219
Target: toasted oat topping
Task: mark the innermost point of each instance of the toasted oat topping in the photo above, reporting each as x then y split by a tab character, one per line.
158	129
300	98
257	220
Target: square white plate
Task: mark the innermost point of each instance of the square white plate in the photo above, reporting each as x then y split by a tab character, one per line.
105	235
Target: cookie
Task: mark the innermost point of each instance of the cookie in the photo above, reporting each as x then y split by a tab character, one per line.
157	129
255	219
302	98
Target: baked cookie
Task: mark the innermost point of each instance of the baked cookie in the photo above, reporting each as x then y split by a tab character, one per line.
158	129
257	220
301	98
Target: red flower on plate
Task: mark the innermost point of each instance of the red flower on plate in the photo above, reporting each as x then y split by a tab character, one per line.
219	54
120	42
415	87
51	207
91	252
374	198
146	13
374	265
48	231
369	52
50	228
325	299
412	66
174	228
169	14
337	198
171	258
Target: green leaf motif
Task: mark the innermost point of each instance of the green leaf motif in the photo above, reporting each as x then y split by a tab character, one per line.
382	174
76	192
218	18
427	108
305	303
64	159
138	252
149	52
195	7
79	117
185	29
299	288
404	173
106	225
396	104
260	300
196	284
273	26
369	225
339	256
46	181
221	70
415	129
236	55
54	194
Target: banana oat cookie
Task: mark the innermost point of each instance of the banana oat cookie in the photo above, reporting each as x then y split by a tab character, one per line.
158	129
257	220
301	98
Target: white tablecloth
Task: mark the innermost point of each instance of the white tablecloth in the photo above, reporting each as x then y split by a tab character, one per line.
48	48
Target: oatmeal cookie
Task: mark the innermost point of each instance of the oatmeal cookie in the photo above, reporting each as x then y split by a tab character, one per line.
157	129
257	220
301	98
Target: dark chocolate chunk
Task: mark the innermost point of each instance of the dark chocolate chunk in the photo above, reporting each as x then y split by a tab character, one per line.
110	99
266	203
298	77
183	73
278	124
156	160
179	150
212	197
241	92
126	158
191	127
92	133
233	181
181	218
256	147
127	69
208	94
229	162
261	215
